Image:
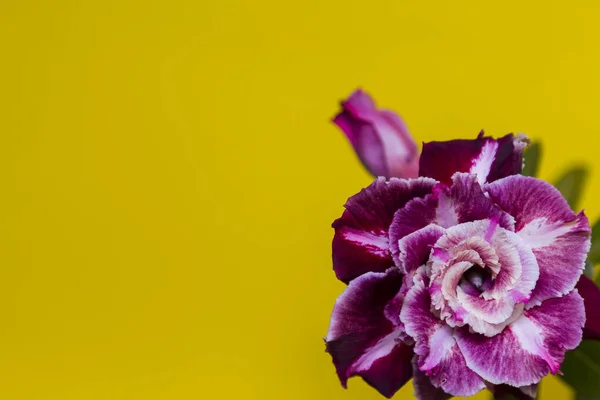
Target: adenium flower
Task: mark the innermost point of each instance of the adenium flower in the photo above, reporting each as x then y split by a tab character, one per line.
463	278
379	137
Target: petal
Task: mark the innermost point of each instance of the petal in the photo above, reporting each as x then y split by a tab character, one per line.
454	377
529	199
488	158
591	300
400	127
440	160
380	138
506	392
562	262
438	354
401	151
520	270
365	141
412	251
560	239
415	215
390	372
362	341
361	242
509	157
357	111
471	204
360	105
530	347
492	311
359	311
416	316
446	207
424	390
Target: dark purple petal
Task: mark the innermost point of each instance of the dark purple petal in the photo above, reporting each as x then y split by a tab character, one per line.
560	239
379	137
591	300
361	240
424	390
438	354
490	159
530	347
393	307
390	372
507	392
509	157
363	341
440	160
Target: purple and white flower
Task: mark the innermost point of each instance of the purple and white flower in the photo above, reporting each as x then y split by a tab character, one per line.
463	278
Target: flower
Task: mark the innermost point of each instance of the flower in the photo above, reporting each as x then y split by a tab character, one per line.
461	278
379	137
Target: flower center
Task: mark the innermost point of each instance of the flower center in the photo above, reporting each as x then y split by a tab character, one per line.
476	280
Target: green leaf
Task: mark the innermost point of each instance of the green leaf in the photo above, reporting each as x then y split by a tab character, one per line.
571	184
589	269
594	254
532	157
581	369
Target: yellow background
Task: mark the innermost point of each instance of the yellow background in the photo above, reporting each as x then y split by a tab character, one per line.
169	173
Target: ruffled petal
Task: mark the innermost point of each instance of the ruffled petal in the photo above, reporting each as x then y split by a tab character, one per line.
519	272
412	251
560	239
361	240
463	202
486	157
528	199
529	271
591	300
363	341
530	347
462	252
438	354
